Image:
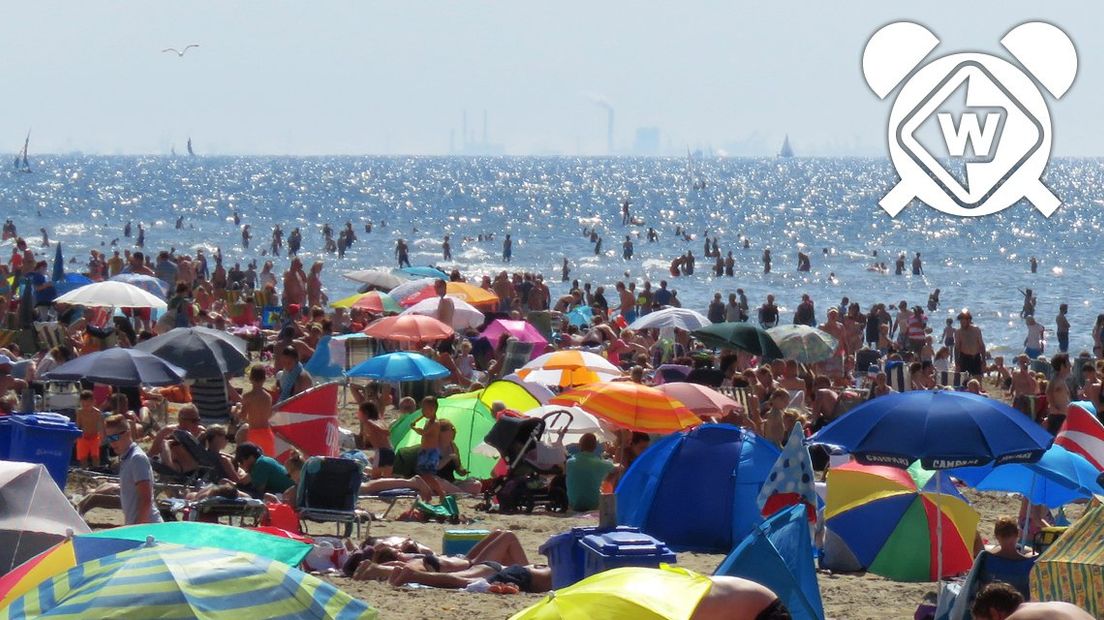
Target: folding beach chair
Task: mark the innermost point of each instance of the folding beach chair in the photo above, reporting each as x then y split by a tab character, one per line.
213	509
50	335
328	492
517	355
951	379
897	375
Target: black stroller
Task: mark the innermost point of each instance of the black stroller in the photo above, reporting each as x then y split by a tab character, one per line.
535	468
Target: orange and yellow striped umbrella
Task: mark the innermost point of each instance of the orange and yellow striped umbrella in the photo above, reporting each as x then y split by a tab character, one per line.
461	290
568	368
632	406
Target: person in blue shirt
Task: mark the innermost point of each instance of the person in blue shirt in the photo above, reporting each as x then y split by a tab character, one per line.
44	291
585	473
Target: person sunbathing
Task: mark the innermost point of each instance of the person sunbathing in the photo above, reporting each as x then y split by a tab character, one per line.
733	598
499	547
527	578
1000	601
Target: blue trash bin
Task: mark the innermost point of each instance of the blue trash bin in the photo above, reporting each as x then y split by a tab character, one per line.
45	438
5	437
607	550
566	555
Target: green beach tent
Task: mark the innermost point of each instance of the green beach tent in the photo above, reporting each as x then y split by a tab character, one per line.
472	419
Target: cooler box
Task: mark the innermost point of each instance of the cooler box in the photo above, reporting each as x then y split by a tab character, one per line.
607	550
566	555
460	542
5	437
45	438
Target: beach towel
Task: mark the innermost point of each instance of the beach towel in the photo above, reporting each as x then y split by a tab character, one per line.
951	379
897	376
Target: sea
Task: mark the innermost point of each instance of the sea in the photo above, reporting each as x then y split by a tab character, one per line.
824	207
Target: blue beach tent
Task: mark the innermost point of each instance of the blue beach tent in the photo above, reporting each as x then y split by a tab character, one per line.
778	553
696	491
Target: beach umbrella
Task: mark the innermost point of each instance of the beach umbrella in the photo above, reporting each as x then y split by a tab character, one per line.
580	316
79	549
34	513
883	519
202	352
807	345
522	330
149	284
671	373
408	328
472	419
71	281
59	265
804	343
399	366
942	429
112	294
572	421
738	335
162	580
630	405
702	400
1055	480
664	593
378	278
410	287
26	304
424	272
119	367
376	302
678	318
464	315
460	290
516	395
567	368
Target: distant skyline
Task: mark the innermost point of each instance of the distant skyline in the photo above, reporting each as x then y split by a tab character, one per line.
360	77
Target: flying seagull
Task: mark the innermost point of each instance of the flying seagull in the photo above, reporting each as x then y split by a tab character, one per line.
179	53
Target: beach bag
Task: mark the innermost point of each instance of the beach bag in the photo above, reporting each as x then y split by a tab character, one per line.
281	515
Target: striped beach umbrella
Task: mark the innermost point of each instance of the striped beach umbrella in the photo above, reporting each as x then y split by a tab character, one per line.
376	302
630	405
161	580
461	290
568	368
883	519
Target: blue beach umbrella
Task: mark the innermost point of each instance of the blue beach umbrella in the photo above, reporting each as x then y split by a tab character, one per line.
149	284
119	367
424	272
59	265
580	316
399	366
1057	479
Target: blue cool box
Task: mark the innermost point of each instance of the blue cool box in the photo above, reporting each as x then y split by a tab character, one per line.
603	551
45	438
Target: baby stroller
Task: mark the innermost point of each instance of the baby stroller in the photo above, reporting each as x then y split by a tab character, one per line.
535	466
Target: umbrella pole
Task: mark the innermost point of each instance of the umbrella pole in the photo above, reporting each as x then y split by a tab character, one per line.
939	530
1027	512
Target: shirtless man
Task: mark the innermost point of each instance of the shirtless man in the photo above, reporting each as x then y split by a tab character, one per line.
969	346
445	307
374	434
1090	386
1058	393
734	598
429	454
1023	385
1000	601
8	382
91	423
833	366
256	412
295	284
824	402
628	303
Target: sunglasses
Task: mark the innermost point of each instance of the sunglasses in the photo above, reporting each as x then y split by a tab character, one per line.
115	437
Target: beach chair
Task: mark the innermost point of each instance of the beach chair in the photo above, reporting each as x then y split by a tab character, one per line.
328	492
210	397
50	335
951	379
897	375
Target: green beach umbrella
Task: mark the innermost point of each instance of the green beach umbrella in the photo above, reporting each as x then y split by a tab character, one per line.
214	535
472	419
161	580
807	345
742	336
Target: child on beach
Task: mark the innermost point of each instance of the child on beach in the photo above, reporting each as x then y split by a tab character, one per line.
429	453
374	434
256	411
774	423
91	422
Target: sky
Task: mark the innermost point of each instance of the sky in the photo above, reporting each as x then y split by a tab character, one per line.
367	77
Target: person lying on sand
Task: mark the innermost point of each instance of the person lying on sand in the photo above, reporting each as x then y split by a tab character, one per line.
500	546
1000	601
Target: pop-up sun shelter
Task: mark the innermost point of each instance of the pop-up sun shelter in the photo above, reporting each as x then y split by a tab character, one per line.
696	490
1072	569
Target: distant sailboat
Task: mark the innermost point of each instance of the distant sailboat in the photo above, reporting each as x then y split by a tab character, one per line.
696	181
191	153
172	151
787	150
21	164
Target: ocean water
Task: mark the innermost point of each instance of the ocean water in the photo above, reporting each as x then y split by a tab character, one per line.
824	207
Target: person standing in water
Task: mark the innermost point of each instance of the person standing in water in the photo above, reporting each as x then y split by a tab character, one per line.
627	248
625	217
917	266
1034	265
402	253
565	271
446	249
766	260
507	249
1062	327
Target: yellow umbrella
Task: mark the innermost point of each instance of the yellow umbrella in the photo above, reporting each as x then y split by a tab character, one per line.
568	368
664	593
631	405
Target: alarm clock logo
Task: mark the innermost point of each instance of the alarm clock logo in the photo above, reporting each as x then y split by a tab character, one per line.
994	151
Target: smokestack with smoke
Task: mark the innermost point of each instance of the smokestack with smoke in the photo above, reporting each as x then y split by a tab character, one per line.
602	102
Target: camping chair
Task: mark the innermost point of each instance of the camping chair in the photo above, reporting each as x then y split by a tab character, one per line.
328	492
210	397
898	378
213	509
51	335
951	379
405	466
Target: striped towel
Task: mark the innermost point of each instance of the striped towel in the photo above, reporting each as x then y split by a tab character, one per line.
952	379
898	378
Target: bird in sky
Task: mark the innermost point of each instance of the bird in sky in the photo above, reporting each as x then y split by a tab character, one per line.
179	53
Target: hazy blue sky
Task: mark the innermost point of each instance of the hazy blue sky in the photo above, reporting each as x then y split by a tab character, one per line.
393	77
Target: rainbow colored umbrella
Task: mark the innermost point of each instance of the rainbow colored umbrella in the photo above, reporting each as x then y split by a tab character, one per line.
86	547
161	580
376	302
883	519
630	405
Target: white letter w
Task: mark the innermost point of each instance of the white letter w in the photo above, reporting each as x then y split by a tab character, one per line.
980	138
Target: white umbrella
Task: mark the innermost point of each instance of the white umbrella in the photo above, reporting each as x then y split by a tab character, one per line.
375	277
464	315
576	422
679	318
111	294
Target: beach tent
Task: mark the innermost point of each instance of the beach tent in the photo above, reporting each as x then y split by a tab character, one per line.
1072	569
778	553
696	490
308	422
34	514
322	364
472	419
